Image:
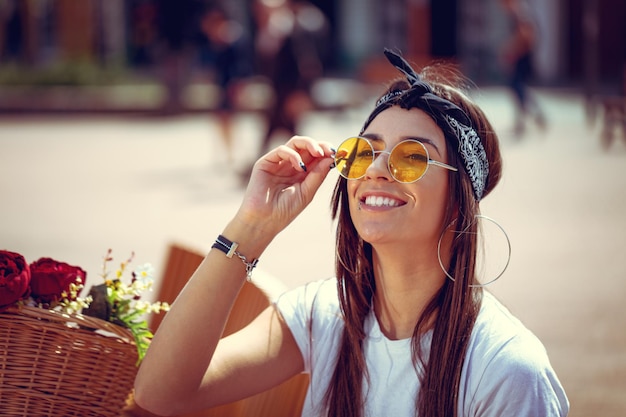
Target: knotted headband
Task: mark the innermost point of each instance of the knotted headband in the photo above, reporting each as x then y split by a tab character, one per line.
448	116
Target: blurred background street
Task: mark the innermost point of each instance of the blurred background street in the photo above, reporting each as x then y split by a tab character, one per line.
112	136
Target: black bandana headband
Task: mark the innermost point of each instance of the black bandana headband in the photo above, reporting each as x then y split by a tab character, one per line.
449	117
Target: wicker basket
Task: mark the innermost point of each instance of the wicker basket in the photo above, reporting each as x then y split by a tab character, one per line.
53	364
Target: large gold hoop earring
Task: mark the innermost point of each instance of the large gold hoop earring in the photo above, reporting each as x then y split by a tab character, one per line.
508	245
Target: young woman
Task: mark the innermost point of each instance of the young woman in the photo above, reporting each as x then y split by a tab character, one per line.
404	329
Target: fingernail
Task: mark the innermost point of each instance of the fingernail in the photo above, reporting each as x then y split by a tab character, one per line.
333	165
303	166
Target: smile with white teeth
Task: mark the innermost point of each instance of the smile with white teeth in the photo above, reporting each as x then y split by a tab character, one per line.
378	201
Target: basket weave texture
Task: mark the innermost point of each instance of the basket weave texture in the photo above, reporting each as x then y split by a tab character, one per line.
54	364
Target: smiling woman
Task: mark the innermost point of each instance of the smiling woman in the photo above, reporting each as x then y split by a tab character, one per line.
404	328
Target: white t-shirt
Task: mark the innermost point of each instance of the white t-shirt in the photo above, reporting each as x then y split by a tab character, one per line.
506	371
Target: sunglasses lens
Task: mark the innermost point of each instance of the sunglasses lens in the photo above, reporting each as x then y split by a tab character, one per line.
408	161
353	157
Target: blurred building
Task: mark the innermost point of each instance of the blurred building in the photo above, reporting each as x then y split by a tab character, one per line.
583	42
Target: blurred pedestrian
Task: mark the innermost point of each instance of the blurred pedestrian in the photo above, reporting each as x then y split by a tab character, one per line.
176	23
12	36
229	58
517	54
289	47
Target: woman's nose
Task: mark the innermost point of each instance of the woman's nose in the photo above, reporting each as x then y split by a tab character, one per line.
379	167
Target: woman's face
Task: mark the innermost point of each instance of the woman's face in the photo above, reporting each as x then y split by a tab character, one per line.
386	211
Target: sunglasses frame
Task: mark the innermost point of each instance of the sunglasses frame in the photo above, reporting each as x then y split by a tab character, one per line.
374	152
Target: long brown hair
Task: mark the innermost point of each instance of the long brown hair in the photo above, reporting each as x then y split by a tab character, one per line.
454	307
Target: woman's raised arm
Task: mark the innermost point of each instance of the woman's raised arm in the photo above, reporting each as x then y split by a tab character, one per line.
188	366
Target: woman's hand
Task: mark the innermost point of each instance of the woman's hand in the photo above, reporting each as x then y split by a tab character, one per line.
283	182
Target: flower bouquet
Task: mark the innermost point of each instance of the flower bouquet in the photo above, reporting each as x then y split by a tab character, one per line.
63	355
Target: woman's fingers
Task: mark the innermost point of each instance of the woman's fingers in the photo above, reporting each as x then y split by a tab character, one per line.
299	151
284	181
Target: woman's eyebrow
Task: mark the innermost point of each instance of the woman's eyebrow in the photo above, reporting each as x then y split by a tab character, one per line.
374	138
425	141
371	136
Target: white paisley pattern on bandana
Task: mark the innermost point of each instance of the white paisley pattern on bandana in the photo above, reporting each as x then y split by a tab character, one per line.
473	153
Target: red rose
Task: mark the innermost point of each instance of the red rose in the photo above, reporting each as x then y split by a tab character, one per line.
50	278
14	277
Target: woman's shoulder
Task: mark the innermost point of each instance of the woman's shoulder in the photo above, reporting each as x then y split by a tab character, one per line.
314	318
507	366
323	291
316	298
498	334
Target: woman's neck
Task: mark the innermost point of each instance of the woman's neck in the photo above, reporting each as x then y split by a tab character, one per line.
406	282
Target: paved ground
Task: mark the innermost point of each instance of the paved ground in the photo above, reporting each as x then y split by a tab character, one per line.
72	187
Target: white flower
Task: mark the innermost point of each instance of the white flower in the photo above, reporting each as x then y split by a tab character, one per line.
144	273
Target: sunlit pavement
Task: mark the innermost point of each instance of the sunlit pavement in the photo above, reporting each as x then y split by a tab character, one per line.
73	187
